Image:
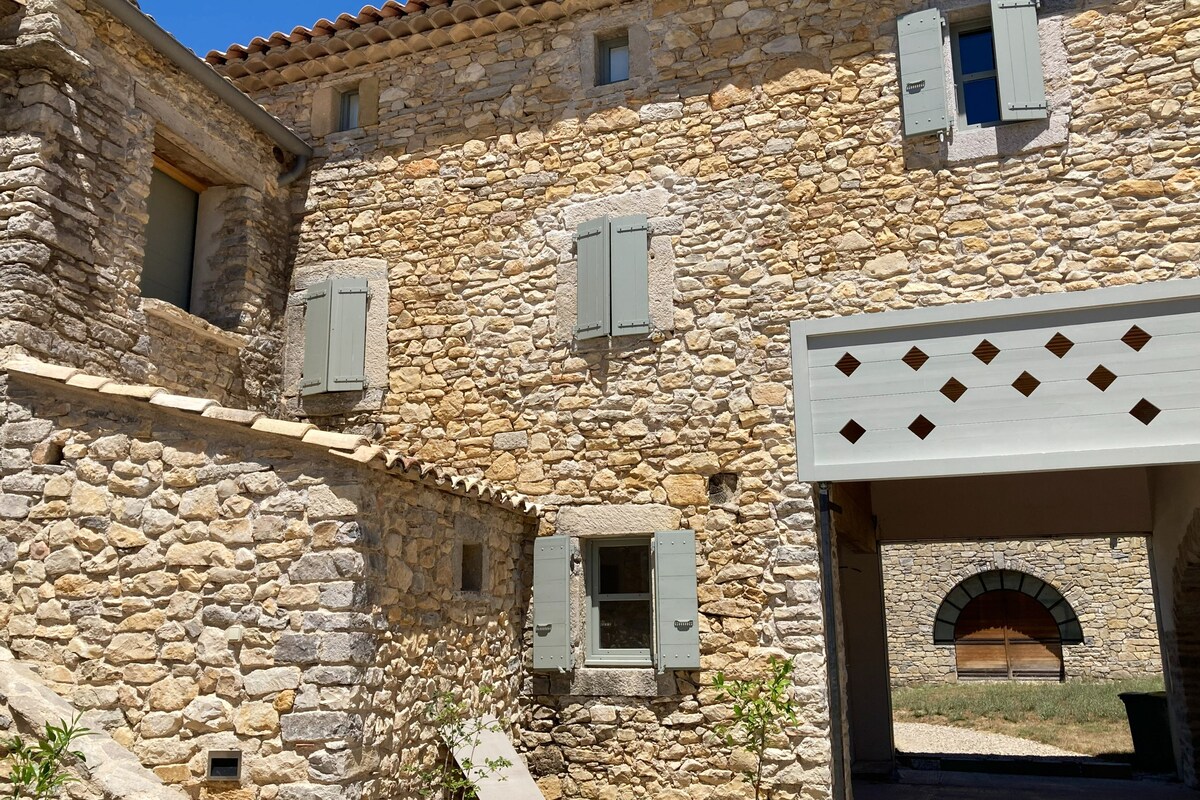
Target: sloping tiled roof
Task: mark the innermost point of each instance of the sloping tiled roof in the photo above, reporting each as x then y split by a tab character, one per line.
377	34
342	445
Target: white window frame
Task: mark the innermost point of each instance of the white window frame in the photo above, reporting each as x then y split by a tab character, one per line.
613	657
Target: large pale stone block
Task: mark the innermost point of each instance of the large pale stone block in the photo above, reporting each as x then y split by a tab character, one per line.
617	519
269	681
320	726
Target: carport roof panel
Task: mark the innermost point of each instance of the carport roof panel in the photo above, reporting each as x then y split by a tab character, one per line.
1099	378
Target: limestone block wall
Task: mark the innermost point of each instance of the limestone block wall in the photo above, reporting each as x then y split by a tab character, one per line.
195	585
87	104
763	141
1107	581
107	769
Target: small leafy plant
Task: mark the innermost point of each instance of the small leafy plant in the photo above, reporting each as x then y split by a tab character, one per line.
39	770
461	732
761	708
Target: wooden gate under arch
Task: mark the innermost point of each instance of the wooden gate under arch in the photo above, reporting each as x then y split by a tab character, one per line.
1007	635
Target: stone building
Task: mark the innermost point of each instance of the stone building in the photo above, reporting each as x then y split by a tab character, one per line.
93	115
211	582
598	254
1105	628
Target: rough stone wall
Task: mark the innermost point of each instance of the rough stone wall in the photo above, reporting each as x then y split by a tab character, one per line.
764	142
197	586
83	116
183	346
107	770
1105	579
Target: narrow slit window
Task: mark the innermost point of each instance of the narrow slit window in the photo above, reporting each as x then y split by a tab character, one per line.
472	567
613	55
975	75
348	114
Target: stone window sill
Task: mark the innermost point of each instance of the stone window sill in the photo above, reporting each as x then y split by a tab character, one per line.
974	144
619	89
331	404
174	315
613	682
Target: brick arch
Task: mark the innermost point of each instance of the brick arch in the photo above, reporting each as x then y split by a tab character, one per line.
980	583
1183	651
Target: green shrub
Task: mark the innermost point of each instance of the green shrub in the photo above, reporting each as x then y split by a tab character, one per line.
40	770
761	708
445	779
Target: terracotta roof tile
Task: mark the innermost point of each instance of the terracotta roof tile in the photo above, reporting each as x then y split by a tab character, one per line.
377	34
355	448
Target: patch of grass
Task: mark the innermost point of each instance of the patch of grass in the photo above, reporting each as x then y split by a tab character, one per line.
1081	717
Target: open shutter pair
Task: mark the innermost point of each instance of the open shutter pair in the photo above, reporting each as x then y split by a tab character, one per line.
1018	66
613	266
676	606
335	336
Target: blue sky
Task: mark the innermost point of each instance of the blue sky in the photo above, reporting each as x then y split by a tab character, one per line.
216	24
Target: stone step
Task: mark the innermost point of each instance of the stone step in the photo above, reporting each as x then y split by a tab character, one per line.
491	742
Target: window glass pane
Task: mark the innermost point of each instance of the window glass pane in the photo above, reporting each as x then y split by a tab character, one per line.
624	569
349	119
618	63
975	52
625	625
982	101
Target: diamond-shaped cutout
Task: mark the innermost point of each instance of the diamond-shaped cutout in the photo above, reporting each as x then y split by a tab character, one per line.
915	358
1145	411
921	427
852	431
954	390
847	364
1102	378
986	352
1059	345
1026	384
1136	338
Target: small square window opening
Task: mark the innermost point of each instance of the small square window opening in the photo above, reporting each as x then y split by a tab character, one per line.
224	765
620	617
976	84
612	56
348	112
472	568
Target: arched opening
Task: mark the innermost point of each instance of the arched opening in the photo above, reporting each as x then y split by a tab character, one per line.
1007	625
1007	635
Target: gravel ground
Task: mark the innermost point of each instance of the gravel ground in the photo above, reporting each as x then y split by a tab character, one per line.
920	737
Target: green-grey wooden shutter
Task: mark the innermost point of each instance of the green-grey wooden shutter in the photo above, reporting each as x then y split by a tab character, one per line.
552	603
629	250
318	305
676	607
922	73
1018	60
348	335
592	303
170	240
